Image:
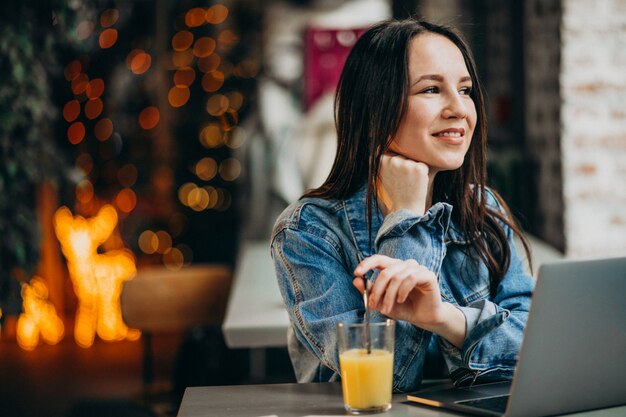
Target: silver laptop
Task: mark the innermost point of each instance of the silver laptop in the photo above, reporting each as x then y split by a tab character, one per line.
573	356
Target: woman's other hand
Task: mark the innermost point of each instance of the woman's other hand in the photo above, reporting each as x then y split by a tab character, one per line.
403	184
408	291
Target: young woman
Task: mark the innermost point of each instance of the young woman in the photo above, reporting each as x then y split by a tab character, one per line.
406	205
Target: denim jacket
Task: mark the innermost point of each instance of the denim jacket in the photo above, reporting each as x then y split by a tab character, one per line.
317	244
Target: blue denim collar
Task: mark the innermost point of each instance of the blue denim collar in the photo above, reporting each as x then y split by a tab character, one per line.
356	214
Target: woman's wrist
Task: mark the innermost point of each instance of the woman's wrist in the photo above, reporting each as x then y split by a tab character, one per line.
451	325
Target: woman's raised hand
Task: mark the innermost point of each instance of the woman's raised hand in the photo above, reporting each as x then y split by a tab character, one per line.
403	184
408	291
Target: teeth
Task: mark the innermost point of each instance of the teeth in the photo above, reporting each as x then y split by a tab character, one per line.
451	134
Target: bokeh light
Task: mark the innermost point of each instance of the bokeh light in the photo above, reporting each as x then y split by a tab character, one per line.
198	199
248	68
80	239
148	242
211	136
79	83
84	191
182	40
165	241
213	196
93	108
235	100
109	17
209	63
173	259
84	30
224	200
76	133
217	104
108	37
230	169
206	168
236	137
138	61
126	200
183	192
227	38
85	163
182	58
178	96
149	118
38	317
72	70
95	88
103	129
127	175
195	17
212	81
204	47
71	110
216	14
184	77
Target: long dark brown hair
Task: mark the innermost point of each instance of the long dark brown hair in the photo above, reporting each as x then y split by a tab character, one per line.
370	103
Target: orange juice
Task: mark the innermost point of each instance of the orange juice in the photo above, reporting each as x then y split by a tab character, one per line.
366	378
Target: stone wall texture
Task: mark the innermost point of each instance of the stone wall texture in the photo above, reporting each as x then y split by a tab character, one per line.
593	127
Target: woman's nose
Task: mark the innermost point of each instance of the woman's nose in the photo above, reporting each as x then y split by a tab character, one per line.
454	107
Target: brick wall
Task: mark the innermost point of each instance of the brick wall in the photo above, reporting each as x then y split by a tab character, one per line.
593	132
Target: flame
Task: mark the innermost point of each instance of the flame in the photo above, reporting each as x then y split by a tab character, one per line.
39	317
97	277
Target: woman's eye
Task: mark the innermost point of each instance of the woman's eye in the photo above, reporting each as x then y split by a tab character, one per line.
430	90
466	91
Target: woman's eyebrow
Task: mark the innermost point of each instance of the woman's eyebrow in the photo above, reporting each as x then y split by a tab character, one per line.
439	78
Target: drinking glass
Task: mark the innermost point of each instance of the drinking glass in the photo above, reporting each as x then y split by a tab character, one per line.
366	362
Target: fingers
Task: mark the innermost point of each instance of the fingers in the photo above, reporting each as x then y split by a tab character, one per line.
384	290
373	262
395	282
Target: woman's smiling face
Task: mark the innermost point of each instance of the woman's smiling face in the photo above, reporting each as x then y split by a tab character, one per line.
440	116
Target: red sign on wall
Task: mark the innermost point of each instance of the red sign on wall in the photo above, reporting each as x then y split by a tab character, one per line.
325	52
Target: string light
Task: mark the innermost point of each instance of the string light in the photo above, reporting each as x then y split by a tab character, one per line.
39	318
97	277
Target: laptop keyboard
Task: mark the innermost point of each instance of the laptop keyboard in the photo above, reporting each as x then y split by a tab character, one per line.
497	404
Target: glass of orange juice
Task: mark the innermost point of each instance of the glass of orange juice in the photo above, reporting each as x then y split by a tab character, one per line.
366	371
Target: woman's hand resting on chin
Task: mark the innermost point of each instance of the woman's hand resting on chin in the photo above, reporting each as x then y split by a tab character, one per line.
404	184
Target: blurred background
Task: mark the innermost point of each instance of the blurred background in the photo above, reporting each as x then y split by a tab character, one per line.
146	145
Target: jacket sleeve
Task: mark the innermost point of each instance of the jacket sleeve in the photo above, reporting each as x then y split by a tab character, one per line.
494	326
316	285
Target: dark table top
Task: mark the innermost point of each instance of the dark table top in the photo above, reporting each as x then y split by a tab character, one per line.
298	400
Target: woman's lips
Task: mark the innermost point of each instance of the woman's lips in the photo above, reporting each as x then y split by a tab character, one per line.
451	136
